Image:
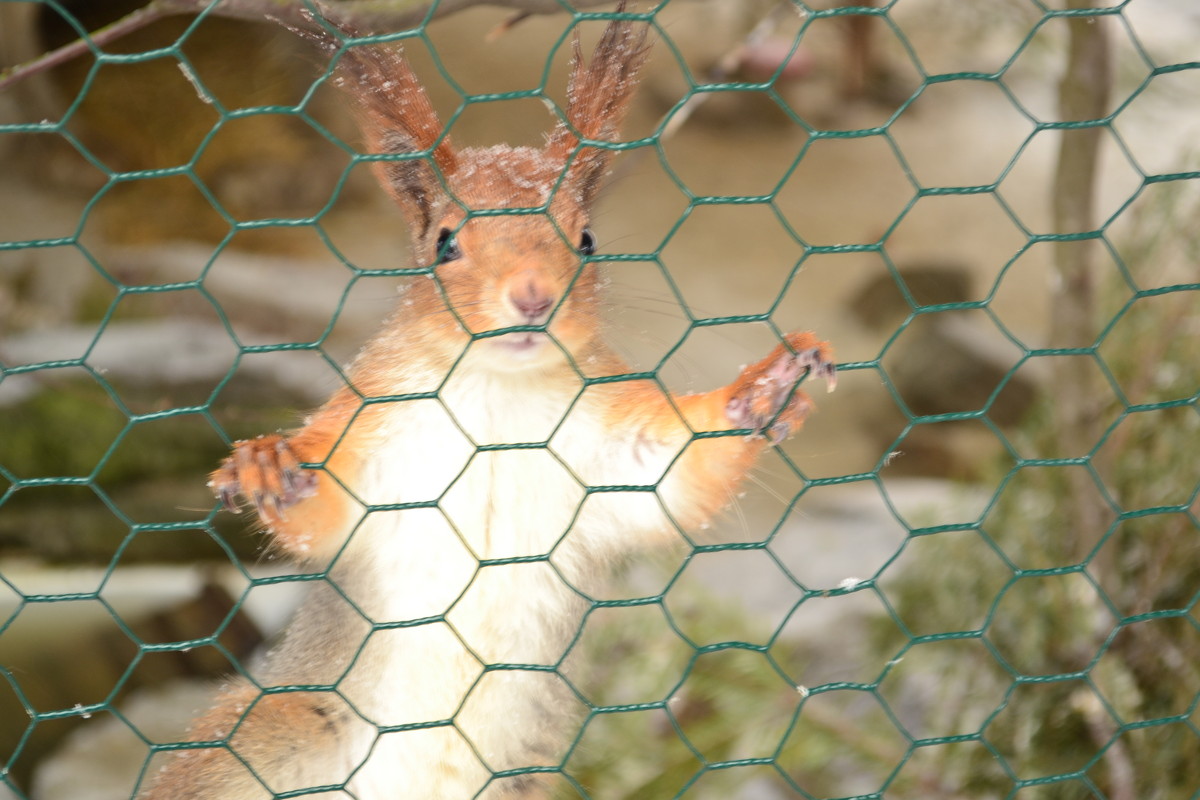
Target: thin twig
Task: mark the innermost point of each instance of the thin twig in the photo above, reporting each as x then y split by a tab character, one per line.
1122	780
728	63
155	10
719	72
366	15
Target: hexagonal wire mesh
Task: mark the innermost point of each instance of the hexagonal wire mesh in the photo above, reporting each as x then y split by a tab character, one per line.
1038	640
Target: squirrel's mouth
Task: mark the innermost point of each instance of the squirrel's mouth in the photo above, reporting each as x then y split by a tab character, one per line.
526	343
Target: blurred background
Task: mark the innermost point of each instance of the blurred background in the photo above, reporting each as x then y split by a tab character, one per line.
973	574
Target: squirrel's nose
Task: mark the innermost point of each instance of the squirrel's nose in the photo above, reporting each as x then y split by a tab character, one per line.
532	303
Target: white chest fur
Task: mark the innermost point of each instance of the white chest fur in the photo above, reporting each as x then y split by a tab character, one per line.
465	583
472	566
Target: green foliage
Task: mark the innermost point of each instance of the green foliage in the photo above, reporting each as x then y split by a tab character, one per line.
1097	634
106	473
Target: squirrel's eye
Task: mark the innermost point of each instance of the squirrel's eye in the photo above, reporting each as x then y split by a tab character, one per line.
447	247
587	242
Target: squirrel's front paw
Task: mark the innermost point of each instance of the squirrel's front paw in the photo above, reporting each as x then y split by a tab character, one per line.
760	396
266	472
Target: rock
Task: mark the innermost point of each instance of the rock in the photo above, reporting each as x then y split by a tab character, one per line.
942	363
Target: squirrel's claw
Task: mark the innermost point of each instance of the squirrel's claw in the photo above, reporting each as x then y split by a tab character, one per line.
228	496
266	472
765	399
815	363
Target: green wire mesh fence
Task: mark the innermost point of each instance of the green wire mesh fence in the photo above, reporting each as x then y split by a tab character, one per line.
1026	627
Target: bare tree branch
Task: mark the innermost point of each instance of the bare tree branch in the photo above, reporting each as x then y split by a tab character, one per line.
1083	95
369	15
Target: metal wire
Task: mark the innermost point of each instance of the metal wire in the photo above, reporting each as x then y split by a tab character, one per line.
1088	778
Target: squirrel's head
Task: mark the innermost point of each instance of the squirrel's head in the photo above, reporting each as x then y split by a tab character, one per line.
506	230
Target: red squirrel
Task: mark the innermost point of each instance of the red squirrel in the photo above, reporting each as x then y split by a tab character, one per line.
444	496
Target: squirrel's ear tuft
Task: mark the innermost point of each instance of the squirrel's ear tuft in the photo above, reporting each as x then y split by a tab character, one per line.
394	114
598	98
